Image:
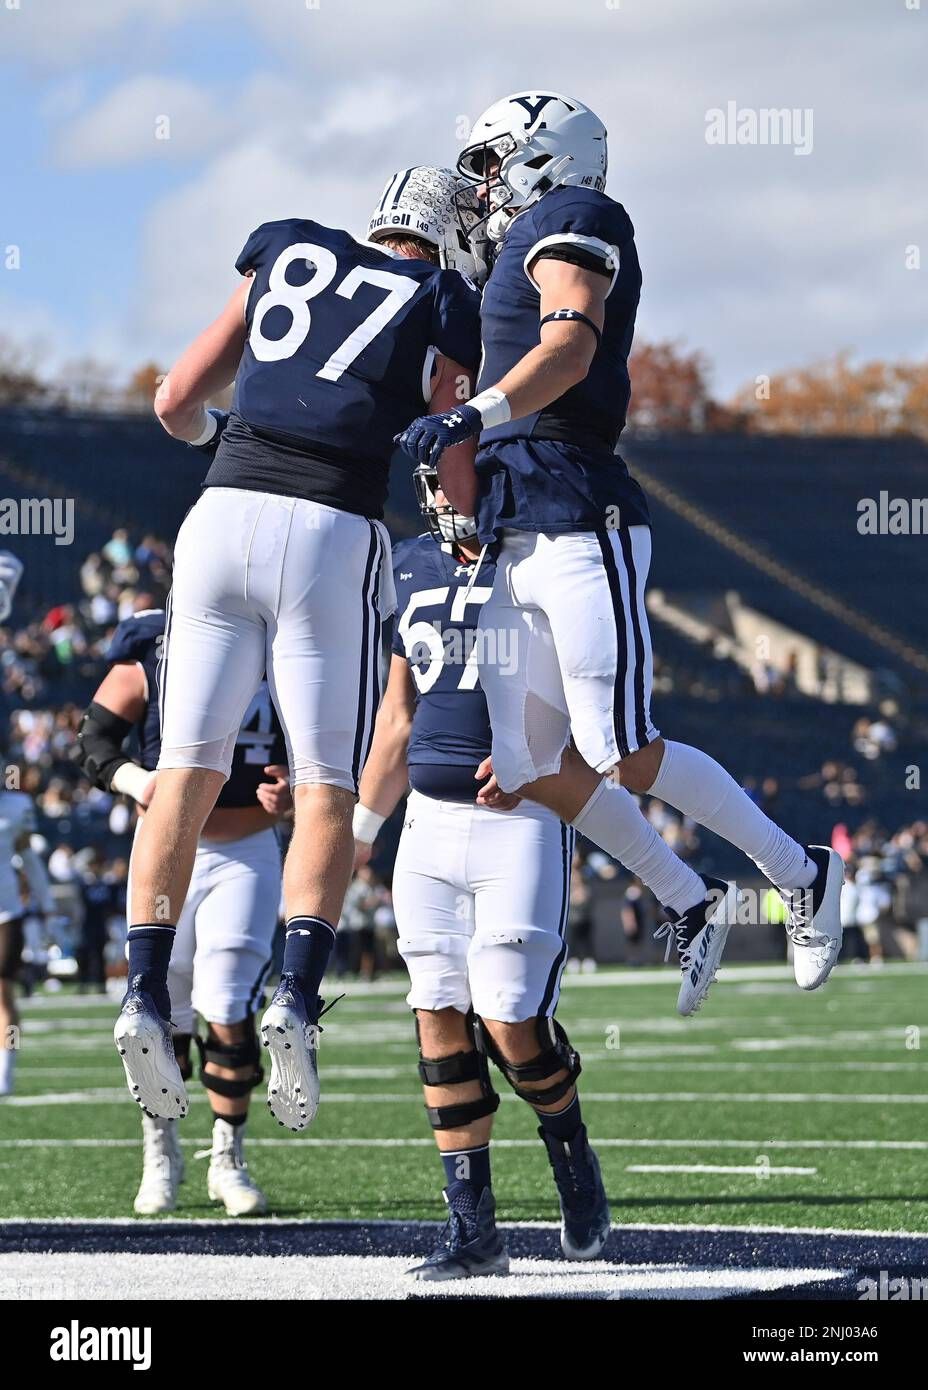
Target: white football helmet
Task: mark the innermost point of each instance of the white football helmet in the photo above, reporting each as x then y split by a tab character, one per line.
436	205
540	140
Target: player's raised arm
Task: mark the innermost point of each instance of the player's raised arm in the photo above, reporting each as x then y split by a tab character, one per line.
572	312
208	365
385	778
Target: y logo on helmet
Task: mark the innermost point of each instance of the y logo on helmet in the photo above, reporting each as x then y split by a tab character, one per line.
534	108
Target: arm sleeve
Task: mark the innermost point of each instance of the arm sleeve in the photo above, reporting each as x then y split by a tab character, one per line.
456	319
585	234
131	641
250	256
401	554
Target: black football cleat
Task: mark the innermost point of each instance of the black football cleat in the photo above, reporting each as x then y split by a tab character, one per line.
585	1214
470	1244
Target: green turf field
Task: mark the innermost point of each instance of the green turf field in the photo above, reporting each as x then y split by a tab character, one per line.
765	1078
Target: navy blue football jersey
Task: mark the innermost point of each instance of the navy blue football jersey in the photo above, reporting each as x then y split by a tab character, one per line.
557	470
260	742
436	630
341	339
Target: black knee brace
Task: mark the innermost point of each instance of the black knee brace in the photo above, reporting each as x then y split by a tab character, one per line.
453	1071
238	1054
182	1043
556	1055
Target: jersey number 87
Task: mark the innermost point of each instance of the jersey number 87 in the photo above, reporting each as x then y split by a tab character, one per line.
399	290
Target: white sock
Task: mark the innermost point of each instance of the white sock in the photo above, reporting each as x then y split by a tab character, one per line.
612	820
7	1065
699	787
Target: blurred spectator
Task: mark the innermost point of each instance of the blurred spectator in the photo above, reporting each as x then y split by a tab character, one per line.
104	897
363	913
580	920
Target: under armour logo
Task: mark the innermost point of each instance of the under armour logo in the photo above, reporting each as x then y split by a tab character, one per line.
453	419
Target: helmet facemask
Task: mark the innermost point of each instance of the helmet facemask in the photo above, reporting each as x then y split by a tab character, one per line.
531	144
444	523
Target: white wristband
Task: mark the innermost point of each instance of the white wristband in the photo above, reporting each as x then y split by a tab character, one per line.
493	408
210	426
366	824
131	780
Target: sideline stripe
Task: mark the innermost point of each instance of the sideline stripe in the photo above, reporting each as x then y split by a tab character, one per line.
755	1145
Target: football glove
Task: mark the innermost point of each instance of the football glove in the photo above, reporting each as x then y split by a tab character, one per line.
427	438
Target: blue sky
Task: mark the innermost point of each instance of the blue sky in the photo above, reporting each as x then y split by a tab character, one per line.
758	255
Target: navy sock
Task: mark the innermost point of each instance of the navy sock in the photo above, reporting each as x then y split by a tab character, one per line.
307	948
467	1166
562	1124
150	947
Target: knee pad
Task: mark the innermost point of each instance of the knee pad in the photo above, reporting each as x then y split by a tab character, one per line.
239	1055
182	1043
556	1055
459	1067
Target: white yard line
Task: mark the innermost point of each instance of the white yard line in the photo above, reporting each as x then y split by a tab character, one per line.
113	1096
754	1145
756	1170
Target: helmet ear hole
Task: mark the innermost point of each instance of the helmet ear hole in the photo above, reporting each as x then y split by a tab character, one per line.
539	161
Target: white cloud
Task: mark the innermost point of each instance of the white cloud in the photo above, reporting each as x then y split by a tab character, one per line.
55	34
749	252
148	117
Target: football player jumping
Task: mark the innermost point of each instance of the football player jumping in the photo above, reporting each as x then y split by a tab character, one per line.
224	943
481	901
574	542
283	565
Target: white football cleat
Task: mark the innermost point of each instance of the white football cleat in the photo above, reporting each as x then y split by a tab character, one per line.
291	1038
699	935
145	1044
228	1180
814	925
162	1168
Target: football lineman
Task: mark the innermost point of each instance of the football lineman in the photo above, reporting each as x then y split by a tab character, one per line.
224	941
481	900
283	564
17	859
574	541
